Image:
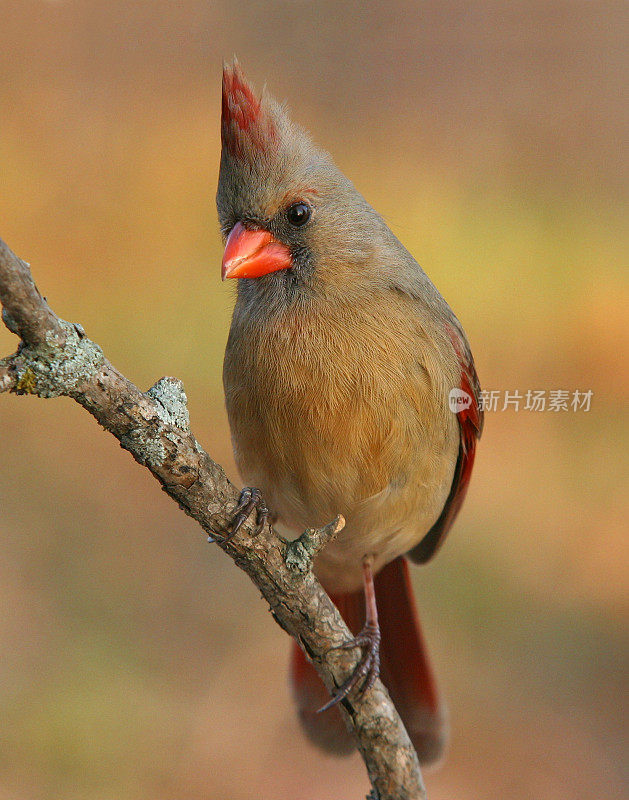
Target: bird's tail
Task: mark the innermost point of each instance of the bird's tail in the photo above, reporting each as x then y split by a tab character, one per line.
404	670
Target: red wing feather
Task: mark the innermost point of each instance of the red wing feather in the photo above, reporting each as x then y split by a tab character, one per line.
470	429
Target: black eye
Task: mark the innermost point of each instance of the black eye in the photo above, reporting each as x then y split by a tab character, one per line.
298	214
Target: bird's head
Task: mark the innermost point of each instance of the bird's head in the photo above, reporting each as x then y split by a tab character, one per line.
290	218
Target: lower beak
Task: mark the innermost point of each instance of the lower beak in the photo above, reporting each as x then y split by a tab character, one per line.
253	253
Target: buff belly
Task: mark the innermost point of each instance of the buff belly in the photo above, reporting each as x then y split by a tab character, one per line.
371	438
384	526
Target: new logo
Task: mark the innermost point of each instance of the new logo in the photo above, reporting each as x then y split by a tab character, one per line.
459	400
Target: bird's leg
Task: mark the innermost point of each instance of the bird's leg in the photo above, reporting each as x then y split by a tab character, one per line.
368	668
250	500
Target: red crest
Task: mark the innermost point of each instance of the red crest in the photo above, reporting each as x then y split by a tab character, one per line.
245	123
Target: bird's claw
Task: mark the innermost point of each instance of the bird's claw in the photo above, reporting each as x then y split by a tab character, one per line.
368	668
250	500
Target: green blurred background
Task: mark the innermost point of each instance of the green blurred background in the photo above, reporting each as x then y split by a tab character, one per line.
136	662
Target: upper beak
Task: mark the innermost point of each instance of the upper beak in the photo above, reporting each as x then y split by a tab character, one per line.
252	253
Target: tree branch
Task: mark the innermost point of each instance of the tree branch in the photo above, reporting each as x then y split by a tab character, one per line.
56	358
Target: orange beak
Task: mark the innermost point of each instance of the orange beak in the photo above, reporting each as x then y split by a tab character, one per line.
253	253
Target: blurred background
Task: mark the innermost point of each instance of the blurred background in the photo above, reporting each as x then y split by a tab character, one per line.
136	661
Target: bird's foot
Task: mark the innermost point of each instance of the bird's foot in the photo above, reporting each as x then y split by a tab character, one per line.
250	500
368	668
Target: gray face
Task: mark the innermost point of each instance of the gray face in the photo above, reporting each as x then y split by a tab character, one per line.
285	187
268	165
262	193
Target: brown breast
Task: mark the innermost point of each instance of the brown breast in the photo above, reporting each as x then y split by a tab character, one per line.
336	410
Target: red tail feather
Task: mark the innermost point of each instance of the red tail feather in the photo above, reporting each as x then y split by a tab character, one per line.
405	670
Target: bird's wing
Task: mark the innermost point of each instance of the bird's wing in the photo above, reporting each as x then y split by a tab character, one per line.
470	428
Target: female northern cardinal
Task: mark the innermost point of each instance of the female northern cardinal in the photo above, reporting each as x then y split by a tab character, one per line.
339	369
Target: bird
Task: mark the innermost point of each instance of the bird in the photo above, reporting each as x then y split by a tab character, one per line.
350	389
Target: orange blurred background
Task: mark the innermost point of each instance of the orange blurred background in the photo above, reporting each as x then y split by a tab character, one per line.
136	661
